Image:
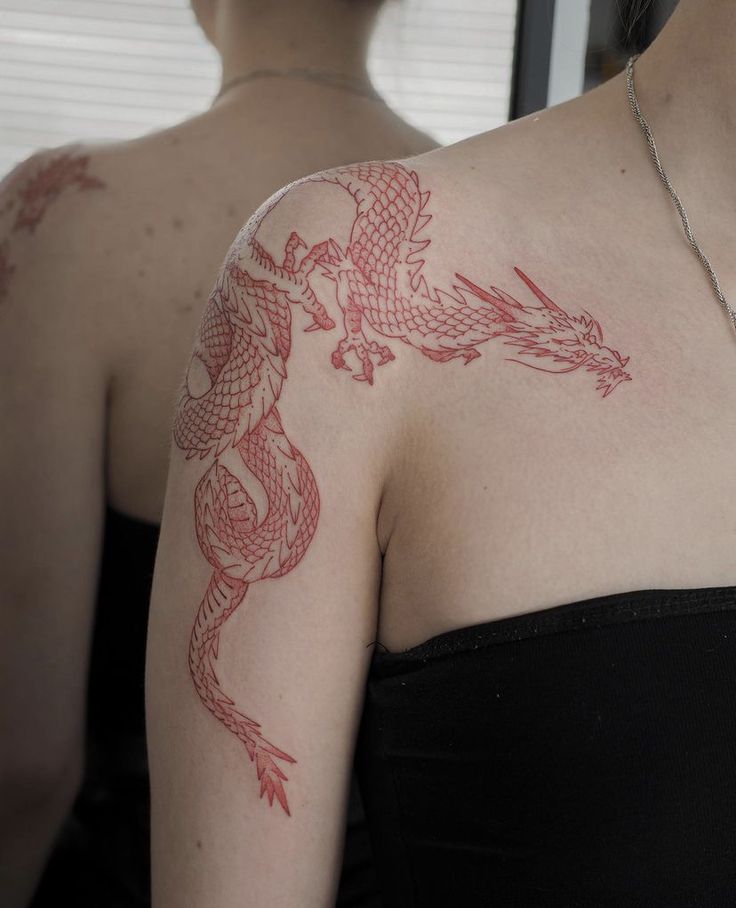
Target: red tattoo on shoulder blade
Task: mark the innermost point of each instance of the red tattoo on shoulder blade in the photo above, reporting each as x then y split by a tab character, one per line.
30	189
228	405
38	190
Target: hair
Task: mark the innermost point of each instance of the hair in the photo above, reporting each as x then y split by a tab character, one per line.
634	19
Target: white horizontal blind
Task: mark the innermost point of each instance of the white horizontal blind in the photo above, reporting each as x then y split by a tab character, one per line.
446	65
113	69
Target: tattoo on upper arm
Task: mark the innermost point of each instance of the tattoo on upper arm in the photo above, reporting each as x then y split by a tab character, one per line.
228	413
30	189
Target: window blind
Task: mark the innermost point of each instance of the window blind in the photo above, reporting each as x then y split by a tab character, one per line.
114	69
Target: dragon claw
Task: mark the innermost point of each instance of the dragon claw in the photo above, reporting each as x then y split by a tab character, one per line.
338	361
366	352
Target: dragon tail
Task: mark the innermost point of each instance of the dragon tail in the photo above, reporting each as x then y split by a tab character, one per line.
224	594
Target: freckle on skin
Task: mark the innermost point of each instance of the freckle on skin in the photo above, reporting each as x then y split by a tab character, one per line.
231	211
623	170
141	272
197	294
177	223
149	231
199	843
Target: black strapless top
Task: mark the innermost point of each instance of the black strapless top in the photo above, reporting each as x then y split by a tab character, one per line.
583	756
102	855
101	859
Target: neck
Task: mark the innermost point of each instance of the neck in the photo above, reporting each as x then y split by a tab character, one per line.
325	35
687	78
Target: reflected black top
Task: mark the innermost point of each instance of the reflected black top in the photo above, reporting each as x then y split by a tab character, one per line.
583	756
101	856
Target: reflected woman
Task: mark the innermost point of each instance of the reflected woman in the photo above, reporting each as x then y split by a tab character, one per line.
503	448
106	260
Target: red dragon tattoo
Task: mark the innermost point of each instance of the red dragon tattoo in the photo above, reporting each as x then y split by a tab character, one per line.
28	191
241	353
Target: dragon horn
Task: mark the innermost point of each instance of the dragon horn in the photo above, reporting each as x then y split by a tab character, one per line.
505	305
540	295
335	250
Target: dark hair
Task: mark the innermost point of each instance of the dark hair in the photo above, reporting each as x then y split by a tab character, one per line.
634	20
636	12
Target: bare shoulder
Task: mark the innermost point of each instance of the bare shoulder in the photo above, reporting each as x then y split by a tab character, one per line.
349	245
46	240
304	293
36	198
32	187
79	225
78	203
380	255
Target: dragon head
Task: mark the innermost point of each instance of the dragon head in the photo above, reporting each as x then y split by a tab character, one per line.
612	372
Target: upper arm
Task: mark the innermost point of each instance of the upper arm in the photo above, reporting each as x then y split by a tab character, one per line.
52	413
266	589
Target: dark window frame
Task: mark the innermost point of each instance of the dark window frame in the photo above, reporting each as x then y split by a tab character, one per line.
532	56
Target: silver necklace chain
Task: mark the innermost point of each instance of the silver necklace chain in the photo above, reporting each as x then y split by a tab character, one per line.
331	78
646	129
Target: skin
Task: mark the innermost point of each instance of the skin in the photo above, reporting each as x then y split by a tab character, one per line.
103	297
452	493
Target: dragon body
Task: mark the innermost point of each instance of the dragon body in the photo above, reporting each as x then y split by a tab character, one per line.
229	413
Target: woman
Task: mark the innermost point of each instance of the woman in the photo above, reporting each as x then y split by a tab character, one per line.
95	328
490	487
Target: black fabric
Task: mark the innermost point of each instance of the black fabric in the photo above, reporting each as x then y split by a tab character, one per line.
101	859
583	756
102	854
